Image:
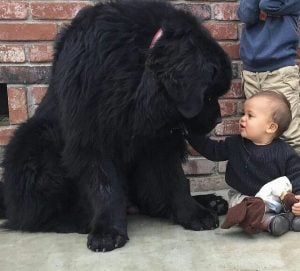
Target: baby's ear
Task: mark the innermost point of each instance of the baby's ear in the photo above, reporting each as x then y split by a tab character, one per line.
273	127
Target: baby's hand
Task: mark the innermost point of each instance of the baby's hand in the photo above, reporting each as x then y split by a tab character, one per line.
296	207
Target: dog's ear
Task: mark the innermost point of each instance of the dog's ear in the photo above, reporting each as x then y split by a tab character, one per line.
189	63
184	92
183	71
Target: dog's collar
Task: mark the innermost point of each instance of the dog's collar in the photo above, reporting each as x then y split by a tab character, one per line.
156	37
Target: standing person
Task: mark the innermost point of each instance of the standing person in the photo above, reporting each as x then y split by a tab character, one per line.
256	157
268	50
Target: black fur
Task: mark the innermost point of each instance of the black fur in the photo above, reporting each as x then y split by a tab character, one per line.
214	202
108	132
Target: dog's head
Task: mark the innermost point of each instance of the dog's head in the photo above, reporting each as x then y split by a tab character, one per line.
192	70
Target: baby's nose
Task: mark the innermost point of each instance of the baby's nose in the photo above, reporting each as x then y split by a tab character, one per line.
243	118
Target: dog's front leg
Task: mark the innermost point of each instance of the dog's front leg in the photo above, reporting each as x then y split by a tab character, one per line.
186	211
105	192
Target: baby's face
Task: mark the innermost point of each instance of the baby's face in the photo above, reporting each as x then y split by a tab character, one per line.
256	120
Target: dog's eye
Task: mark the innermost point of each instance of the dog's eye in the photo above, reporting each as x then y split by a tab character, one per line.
208	99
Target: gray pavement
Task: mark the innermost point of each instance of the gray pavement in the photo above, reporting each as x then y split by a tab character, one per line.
154	245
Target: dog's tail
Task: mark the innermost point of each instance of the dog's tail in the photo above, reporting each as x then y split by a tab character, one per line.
2	208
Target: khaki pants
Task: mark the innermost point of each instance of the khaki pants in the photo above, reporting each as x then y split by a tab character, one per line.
286	81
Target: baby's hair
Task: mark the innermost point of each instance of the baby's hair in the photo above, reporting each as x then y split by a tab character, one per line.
281	114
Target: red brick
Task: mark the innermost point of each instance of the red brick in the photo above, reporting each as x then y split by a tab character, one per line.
17	103
200	184
12	53
235	90
199	165
232	49
5	134
228	127
225	11
41	53
22	32
25	74
37	94
13	10
61	10
228	107
200	10
222	31
240	107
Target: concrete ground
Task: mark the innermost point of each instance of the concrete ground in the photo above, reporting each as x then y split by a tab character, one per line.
154	245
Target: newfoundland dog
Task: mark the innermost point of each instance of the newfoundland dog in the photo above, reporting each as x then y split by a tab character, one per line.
129	79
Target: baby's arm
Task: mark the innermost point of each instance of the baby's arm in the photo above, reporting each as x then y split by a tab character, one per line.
211	149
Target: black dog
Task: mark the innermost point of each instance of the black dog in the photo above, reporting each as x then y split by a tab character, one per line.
128	77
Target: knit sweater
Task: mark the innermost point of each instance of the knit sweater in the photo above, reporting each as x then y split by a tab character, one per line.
271	43
251	166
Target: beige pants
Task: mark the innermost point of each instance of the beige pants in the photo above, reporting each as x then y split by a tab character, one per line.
286	81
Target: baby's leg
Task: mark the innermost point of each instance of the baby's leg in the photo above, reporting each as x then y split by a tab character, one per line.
235	197
277	224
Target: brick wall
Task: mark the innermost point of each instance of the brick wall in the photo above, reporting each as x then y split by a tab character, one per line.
27	31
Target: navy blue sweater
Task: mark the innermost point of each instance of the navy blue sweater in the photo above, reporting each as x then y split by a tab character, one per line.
269	44
251	166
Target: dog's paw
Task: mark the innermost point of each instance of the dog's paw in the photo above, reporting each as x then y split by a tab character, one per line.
105	242
219	205
196	217
214	202
204	221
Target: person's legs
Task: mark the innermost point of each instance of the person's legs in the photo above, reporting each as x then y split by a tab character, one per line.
250	83
286	81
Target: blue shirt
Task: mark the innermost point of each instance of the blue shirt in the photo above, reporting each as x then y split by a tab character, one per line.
269	44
